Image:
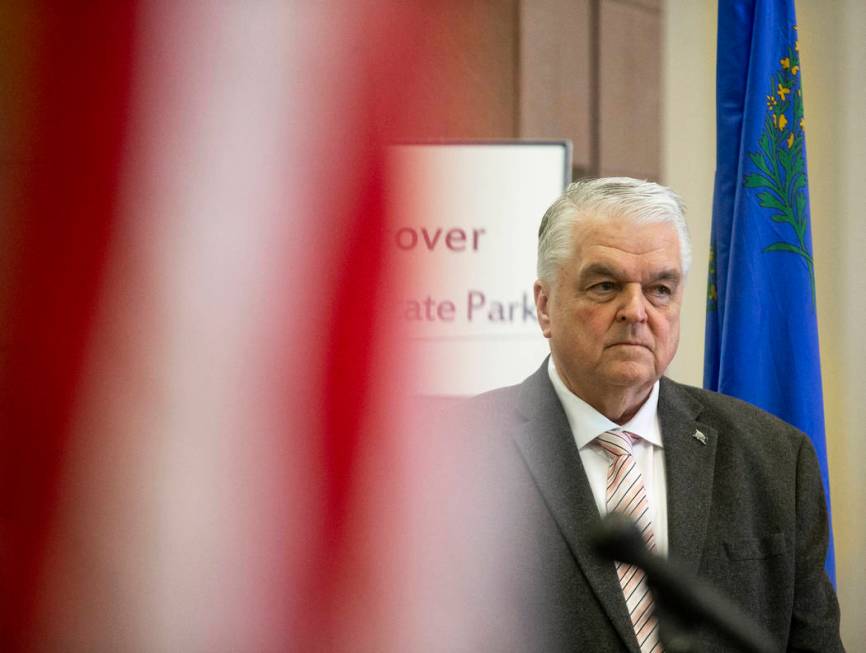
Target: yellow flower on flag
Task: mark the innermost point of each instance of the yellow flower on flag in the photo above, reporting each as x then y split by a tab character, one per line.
779	157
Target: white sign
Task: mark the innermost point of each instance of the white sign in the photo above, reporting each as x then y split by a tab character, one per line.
467	229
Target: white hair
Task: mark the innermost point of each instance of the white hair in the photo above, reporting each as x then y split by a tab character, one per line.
636	200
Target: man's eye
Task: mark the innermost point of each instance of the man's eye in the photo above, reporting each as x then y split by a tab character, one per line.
603	286
662	291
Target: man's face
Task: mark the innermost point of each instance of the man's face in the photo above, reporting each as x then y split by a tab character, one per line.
612	312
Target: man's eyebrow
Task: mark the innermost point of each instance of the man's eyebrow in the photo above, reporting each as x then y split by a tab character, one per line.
670	274
597	270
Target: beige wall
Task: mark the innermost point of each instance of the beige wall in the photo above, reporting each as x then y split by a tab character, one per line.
688	155
833	55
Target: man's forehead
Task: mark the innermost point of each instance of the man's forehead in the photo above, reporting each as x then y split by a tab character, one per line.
614	224
616	239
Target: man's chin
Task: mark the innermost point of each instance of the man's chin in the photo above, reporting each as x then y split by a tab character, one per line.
626	375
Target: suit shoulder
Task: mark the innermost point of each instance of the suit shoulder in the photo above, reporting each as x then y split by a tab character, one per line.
490	408
503	396
737	419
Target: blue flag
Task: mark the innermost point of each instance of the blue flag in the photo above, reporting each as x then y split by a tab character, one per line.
762	333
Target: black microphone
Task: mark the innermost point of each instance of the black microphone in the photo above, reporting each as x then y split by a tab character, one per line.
680	597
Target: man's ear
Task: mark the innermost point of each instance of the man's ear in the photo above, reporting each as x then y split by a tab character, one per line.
542	306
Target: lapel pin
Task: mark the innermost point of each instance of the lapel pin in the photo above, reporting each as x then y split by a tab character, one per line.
700	437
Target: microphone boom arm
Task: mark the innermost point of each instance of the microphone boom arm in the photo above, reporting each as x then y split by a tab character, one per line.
683	598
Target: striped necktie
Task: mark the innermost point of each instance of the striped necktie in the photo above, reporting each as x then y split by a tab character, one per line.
626	493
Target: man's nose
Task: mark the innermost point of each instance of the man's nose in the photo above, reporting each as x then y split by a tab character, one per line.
632	304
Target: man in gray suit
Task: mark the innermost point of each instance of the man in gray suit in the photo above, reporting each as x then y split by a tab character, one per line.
719	487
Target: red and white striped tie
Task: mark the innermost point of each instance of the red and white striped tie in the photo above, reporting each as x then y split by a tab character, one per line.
626	494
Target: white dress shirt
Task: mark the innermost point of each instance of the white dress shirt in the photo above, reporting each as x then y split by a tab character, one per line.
587	423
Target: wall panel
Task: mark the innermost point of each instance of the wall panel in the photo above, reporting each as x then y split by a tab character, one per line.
630	90
554	73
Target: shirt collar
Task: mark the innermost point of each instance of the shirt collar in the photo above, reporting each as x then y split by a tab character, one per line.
587	423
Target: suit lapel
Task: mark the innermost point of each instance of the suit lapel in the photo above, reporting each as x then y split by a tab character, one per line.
690	454
547	445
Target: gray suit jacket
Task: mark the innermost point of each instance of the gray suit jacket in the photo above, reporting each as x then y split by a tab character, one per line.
745	511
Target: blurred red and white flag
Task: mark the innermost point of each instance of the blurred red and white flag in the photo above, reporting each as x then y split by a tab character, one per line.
202	440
